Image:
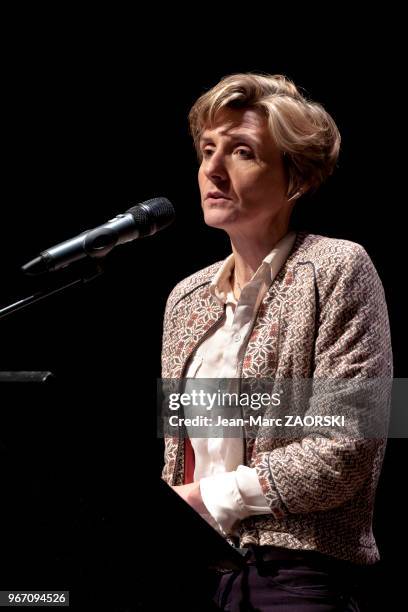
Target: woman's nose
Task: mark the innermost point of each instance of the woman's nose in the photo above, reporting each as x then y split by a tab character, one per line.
215	167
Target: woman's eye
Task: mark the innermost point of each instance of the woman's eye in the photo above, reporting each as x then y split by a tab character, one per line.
244	153
207	153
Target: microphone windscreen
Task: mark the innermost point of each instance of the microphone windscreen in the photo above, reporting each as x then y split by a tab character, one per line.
152	215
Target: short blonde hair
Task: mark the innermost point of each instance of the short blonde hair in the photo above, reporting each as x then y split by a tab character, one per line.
304	132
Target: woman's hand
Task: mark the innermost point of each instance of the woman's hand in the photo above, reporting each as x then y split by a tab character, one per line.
192	495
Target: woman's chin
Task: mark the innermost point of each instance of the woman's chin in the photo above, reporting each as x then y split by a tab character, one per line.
219	218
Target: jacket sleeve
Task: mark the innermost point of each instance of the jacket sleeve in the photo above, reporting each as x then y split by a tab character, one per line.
317	473
172	445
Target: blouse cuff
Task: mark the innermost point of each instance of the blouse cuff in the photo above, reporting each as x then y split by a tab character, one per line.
233	496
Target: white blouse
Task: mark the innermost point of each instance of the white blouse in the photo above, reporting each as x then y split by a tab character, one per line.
230	490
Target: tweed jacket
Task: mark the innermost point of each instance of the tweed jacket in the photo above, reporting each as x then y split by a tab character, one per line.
324	316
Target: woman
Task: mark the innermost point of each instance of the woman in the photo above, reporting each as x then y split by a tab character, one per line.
282	305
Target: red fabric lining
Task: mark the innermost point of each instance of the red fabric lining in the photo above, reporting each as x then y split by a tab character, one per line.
189	462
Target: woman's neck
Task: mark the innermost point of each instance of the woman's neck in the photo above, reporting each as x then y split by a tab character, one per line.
250	252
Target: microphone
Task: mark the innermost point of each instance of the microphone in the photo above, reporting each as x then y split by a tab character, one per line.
142	220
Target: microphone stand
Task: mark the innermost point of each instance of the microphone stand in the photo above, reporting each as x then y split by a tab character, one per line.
40	295
87	275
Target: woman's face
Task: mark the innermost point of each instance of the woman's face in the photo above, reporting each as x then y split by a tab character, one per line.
241	177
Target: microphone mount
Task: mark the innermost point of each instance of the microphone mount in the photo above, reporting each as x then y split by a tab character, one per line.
89	272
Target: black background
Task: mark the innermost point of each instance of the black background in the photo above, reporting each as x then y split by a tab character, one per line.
92	121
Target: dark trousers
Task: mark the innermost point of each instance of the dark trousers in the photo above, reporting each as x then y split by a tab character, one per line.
282	580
